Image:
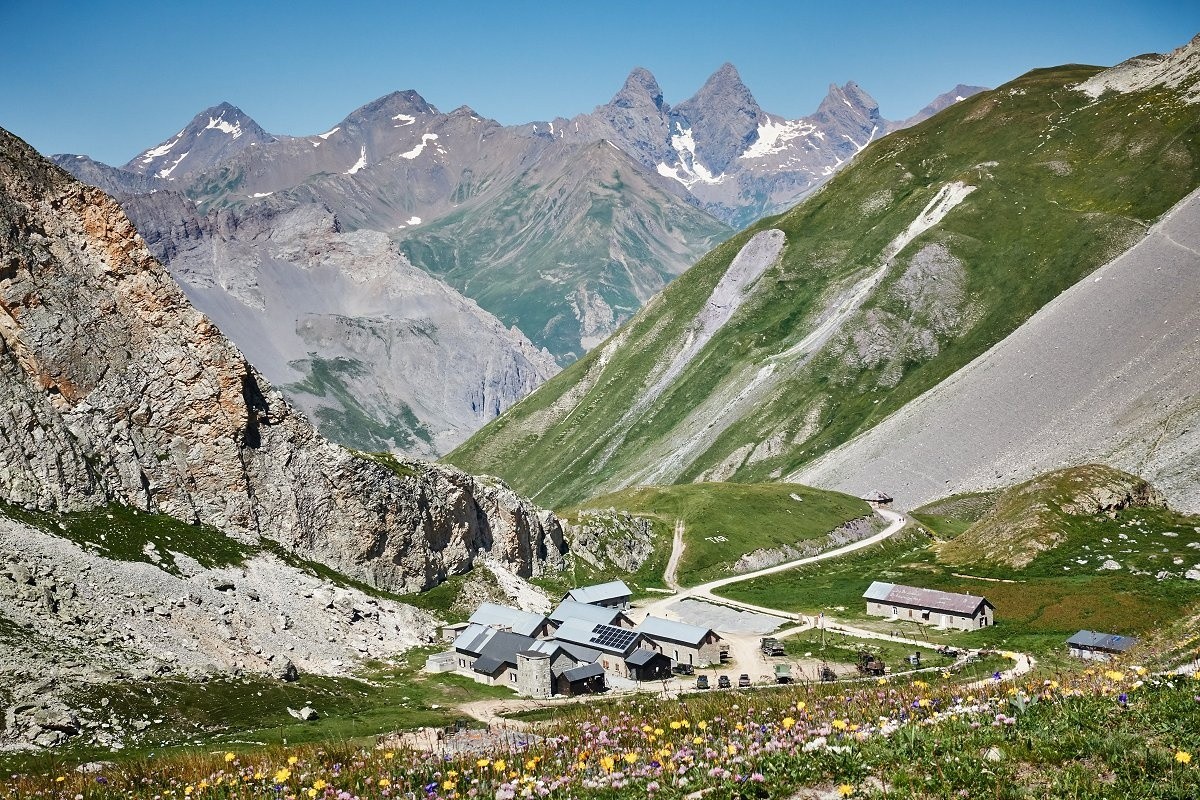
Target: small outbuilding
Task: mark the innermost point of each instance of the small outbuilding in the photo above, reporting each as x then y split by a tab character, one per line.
614	594
648	665
584	679
1095	646
929	606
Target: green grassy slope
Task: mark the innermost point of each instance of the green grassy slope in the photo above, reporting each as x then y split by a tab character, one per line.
1063	587
585	229
724	521
1063	184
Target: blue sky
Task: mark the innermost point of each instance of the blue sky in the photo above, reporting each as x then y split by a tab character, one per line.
112	78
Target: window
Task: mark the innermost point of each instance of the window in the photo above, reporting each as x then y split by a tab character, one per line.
512	677
895	611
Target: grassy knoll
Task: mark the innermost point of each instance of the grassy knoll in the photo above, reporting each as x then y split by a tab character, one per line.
1062	587
725	521
184	716
1081	735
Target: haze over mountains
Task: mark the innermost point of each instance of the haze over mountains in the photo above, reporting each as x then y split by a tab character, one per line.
558	230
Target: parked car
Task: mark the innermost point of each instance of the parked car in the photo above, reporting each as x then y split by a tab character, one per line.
701	681
743	680
723	682
683	669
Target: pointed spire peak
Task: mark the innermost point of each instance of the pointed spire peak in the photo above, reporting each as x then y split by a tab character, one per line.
724	87
848	96
639	87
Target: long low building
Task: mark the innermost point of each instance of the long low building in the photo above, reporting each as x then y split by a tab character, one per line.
929	606
683	643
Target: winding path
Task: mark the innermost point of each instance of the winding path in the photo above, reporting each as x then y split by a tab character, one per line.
742	647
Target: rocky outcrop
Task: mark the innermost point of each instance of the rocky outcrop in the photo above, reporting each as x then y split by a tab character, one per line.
609	539
116	390
852	531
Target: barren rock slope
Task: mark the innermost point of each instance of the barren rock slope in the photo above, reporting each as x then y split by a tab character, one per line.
116	390
1106	373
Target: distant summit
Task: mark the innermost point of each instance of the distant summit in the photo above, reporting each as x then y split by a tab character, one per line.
212	136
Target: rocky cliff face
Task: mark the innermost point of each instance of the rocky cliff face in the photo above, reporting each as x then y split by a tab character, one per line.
117	390
379	354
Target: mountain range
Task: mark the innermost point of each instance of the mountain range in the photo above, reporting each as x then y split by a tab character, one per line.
558	230
933	247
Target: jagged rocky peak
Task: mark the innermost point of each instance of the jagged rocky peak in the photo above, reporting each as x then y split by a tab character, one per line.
641	90
849	98
723	118
212	136
405	104
118	390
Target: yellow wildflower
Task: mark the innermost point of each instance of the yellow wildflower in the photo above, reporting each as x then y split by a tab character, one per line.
483	762
675	725
385	782
188	789
607	763
448	785
788	722
229	757
319	784
1114	675
282	774
1183	757
881	681
389	755
646	729
801	706
292	761
499	765
658	731
311	792
702	725
845	790
731	749
631	758
840	724
697	740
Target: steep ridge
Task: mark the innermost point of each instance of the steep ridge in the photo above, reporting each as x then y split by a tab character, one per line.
117	391
379	354
929	249
1106	372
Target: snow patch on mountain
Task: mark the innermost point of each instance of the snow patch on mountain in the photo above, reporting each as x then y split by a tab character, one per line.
161	150
426	138
403	119
361	163
166	173
774	135
219	123
689	171
327	134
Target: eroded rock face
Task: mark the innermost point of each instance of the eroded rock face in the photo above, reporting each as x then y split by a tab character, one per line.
115	389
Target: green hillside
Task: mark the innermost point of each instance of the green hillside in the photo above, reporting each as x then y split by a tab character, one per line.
579	241
1051	554
1062	184
724	521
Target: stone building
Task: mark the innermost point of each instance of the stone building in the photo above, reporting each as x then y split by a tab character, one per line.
614	594
929	606
684	643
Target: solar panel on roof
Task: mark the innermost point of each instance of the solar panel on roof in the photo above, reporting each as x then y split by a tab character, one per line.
610	636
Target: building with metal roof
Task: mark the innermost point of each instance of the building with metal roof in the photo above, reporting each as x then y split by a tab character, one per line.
497	662
929	606
614	594
598	636
1095	646
683	643
573	609
526	623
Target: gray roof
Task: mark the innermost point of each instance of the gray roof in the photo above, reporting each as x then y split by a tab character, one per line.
473	638
487	665
659	628
573	609
599	593
592	670
1107	642
916	597
525	623
607	638
876	496
501	648
531	653
641	657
